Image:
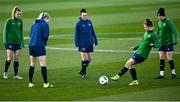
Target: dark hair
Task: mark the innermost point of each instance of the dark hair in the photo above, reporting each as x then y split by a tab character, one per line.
83	10
161	12
17	9
148	22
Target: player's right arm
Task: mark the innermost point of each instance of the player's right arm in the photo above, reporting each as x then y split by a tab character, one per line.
76	35
174	31
136	47
46	32
5	32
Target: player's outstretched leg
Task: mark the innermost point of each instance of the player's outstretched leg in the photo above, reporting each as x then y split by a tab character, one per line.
121	73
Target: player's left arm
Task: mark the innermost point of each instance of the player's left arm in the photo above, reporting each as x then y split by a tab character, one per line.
94	35
46	32
22	34
174	31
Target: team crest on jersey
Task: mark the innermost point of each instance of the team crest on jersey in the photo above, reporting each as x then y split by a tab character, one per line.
83	49
149	36
19	24
83	25
164	24
89	24
10	46
12	23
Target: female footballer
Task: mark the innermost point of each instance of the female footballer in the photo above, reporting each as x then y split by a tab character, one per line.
13	41
38	39
143	49
85	37
168	38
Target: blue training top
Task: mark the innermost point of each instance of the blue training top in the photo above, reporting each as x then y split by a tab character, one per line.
84	34
39	33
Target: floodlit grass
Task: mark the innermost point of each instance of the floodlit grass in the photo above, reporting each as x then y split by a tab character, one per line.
118	24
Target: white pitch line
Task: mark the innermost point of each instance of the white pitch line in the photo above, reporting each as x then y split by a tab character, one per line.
71	36
102	50
68	37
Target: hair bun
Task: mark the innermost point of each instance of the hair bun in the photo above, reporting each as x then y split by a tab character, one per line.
148	22
83	10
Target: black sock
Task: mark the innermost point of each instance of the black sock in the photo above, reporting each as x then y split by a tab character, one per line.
123	71
133	73
162	64
84	65
87	63
171	64
16	65
7	63
31	73
44	74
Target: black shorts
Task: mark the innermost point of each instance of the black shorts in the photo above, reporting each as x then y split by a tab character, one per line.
13	47
137	58
166	48
37	51
86	49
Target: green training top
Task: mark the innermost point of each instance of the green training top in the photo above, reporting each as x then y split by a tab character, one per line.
143	49
13	32
167	32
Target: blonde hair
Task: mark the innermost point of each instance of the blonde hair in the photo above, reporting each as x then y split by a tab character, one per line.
14	11
44	15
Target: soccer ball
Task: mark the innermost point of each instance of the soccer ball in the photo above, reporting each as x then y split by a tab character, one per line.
103	80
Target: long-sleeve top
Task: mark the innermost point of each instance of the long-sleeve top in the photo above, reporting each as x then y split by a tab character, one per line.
84	34
39	33
13	32
167	32
143	48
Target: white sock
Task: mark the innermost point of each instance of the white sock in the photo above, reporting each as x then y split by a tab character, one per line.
161	73
173	71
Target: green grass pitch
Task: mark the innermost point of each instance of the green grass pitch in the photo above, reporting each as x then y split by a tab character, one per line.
118	24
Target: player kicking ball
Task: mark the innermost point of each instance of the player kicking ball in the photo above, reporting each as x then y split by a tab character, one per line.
85	37
143	49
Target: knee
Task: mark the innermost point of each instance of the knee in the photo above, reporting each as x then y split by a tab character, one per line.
162	57
42	63
9	58
127	65
83	58
170	58
16	59
32	63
